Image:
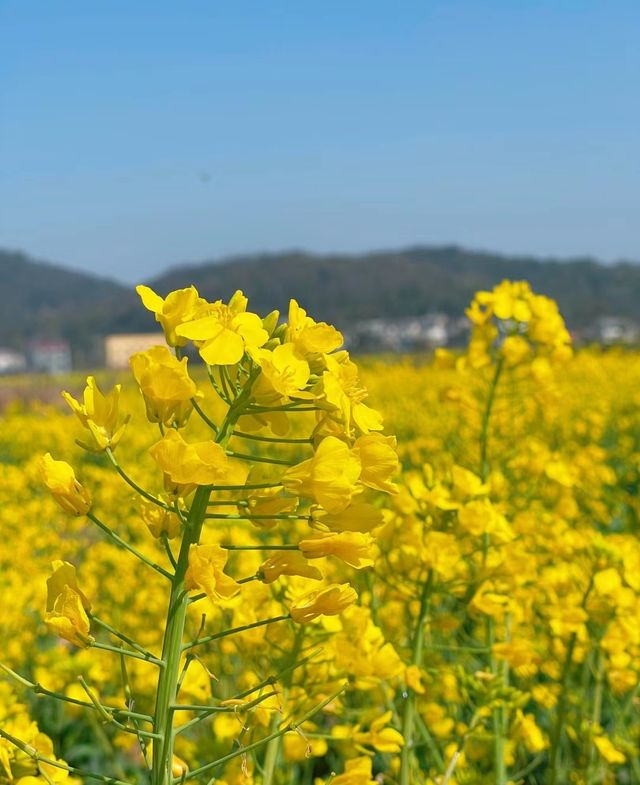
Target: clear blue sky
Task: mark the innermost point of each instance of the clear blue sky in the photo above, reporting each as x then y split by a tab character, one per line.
136	135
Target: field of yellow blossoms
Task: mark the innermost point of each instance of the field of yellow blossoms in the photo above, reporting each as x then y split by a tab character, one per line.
251	562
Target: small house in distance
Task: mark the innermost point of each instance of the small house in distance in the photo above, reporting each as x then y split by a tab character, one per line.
12	361
49	356
118	348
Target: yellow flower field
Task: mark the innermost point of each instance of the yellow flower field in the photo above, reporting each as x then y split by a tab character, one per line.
261	564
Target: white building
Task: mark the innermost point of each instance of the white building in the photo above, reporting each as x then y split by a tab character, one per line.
12	361
49	356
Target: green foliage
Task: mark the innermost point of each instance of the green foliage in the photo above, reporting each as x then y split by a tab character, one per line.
42	300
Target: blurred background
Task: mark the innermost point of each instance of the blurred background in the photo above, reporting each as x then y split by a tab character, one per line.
379	161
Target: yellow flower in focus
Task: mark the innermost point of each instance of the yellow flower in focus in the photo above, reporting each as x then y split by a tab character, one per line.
165	385
223	333
100	415
66	606
186	465
159	521
357	517
354	548
178	307
60	480
284	374
287	563
205	572
378	457
64	574
340	389
329	478
269	501
329	601
310	337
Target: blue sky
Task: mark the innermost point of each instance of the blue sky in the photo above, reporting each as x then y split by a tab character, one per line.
137	135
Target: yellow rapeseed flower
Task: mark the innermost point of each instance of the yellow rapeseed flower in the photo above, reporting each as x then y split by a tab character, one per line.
186	465
329	478
61	482
165	385
223	332
353	548
100	415
329	601
178	307
205	572
66	614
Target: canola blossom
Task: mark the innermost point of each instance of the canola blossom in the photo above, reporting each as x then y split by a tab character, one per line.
237	575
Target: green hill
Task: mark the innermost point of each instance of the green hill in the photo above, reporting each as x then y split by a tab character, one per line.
44	300
411	282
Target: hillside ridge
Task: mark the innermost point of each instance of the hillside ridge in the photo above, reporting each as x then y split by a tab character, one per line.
48	300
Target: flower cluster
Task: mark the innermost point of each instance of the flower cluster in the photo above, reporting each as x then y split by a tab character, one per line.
239	540
284	443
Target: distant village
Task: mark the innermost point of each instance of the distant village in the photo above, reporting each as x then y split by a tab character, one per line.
404	335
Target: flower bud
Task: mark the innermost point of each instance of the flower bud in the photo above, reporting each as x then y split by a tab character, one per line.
61	482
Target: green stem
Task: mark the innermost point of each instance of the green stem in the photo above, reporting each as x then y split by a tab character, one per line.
271	756
137	488
409	714
223	516
592	771
273	747
208	711
291	726
486	418
172	644
563	699
259	458
38	689
292	408
133	654
497	715
561	713
233	631
256	486
216	387
32	753
260	547
127	546
125	638
272	439
227	386
203	416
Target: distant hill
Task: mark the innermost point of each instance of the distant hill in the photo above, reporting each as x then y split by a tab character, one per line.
43	300
40	299
345	288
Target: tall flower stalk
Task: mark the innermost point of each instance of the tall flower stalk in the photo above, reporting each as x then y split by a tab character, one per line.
267	380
